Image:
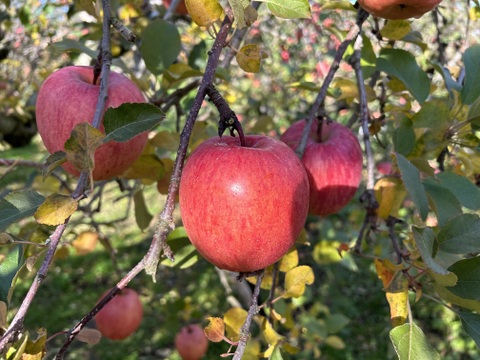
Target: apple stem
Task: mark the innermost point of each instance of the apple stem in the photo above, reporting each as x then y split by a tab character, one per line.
319	129
228	118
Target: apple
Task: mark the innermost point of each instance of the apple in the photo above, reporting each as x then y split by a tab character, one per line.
121	316
243	207
398	9
333	160
181	8
68	97
191	342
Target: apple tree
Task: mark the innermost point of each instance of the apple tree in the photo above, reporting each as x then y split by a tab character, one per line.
370	111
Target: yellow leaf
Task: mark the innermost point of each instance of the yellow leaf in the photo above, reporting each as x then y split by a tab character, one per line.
398	307
271	336
335	342
289	260
80	147
296	279
215	330
146	167
55	210
396	29
166	140
252	351
267	280
204	12
85	242
389	192
386	270
234	319
249	58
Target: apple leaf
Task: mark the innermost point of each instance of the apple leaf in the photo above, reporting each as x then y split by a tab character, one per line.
3	315
473	115
468	273
434	114
463	189
146	167
450	82
185	253
411	180
215	330
460	235
404	137
289	260
271	335
450	297
129	120
8	270
249	58
142	216
166	140
85	242
55	210
389	192
81	146
67	45
234	319
35	349
396	29
397	298
471	88
292	9
296	279
52	162
442	201
244	14
402	65
410	342
471	325
18	205
89	336
161	45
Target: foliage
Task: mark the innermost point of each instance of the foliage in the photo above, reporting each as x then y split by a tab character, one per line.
397	279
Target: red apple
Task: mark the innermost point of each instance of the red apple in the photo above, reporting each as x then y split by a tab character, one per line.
398	9
122	316
191	342
243	207
69	97
181	8
333	161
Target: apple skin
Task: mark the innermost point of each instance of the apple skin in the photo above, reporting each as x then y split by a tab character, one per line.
181	8
243	207
398	9
191	342
122	315
333	163
68	97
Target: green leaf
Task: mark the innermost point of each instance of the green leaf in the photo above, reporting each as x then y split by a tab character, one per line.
460	235
185	253
471	88
434	114
52	162
473	115
425	239
471	325
396	29
468	273
8	270
244	14
292	9
18	205
411	180
142	216
296	279
81	146
450	82
279	354
442	201
404	137
161	45
67	45
56	209
450	297
129	120
410	343
464	190
402	65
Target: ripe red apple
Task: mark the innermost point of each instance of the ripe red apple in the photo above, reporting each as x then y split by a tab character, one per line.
398	9
243	207
191	342
122	316
333	161
69	97
181	8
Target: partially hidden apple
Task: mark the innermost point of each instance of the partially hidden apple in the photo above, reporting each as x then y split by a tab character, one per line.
333	160
191	342
121	316
181	8
68	97
243	207
398	9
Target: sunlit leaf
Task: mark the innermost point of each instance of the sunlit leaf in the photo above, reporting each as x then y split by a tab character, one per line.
35	349
18	205
397	298
271	336
292	9
289	260
410	343
215	329
234	319
81	146
296	279
450	297
396	29
185	253
129	120
249	58
390	193
53	161
55	210
244	14
85	242
204	12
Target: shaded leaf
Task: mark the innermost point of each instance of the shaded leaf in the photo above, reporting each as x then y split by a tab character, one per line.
292	9
161	45
471	325
389	192
411	180
129	120
80	147
68	45
8	270
18	205
464	190
146	167
249	58
215	329
166	140
35	349
471	88
296	279
410	343
404	137
442	201
396	29
460	235
89	336
55	210
402	65
468	273
185	253
142	215
450	82
434	114
52	162
85	242
234	319
204	12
